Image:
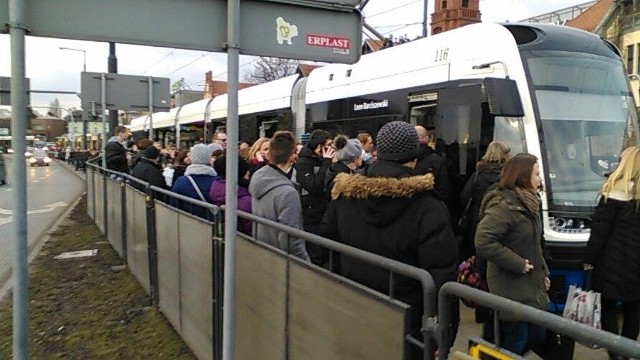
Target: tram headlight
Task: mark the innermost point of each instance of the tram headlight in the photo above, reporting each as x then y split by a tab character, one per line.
47	159
32	160
569	224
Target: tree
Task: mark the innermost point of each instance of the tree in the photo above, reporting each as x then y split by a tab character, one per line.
268	69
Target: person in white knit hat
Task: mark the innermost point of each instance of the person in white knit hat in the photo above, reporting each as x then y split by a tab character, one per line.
196	181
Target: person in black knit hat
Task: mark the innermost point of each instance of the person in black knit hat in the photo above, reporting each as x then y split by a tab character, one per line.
392	212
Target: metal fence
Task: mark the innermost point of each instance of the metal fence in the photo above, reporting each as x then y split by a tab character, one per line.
284	307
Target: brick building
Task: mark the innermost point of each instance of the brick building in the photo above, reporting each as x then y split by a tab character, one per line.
452	14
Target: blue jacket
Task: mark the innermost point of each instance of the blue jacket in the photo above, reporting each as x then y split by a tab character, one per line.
183	186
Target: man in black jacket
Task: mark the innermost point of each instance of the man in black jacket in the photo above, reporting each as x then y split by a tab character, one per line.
114	151
394	213
311	169
148	169
431	163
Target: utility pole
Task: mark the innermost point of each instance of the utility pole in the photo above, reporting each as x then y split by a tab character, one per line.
425	22
113	69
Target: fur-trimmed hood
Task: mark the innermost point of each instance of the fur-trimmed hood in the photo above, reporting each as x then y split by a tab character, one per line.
381	200
361	187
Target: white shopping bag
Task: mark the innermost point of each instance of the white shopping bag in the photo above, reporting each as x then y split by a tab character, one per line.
583	306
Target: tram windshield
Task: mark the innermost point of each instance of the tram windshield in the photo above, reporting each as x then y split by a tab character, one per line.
587	115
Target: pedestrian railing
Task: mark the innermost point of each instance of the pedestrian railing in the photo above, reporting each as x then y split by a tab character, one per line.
284	307
580	332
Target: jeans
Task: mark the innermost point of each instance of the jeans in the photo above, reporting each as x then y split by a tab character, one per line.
520	337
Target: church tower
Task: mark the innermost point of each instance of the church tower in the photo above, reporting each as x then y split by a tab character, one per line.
452	14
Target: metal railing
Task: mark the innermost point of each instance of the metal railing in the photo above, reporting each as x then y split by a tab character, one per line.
434	328
575	330
429	323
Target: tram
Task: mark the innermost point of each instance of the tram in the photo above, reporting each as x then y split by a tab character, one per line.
559	93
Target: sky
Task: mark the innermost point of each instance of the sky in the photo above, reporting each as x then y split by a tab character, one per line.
52	69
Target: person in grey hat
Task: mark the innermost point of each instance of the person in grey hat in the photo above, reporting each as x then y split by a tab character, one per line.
392	212
196	181
349	156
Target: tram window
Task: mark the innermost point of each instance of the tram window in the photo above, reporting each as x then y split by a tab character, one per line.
510	131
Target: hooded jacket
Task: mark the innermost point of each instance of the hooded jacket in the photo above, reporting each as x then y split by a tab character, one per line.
149	171
203	176
392	213
274	197
507	235
116	155
614	248
311	172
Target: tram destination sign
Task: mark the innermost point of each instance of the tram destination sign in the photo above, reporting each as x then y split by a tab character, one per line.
320	30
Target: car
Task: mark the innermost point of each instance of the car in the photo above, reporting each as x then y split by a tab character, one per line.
39	158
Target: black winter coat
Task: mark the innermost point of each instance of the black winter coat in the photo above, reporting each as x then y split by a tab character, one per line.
310	174
147	170
394	214
431	163
486	175
614	249
116	156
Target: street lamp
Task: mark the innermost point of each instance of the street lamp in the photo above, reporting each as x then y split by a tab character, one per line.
84	54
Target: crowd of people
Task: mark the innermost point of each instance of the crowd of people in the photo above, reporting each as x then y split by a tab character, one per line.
392	197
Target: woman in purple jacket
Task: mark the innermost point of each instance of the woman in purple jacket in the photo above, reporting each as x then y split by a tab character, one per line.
217	190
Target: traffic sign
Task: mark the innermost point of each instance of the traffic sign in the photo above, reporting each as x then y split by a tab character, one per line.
329	30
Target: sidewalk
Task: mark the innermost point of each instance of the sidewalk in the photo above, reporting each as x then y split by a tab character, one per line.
88	307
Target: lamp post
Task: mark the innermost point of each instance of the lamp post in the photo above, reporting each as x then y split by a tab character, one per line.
84	55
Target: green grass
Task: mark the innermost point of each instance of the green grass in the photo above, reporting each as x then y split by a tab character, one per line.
84	309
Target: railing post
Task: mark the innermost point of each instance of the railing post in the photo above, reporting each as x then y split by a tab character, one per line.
152	247
105	207
123	219
217	268
93	191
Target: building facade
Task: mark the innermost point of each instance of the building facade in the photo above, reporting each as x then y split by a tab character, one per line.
452	14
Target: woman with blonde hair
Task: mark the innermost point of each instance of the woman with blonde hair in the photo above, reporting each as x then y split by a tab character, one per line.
258	154
486	174
613	250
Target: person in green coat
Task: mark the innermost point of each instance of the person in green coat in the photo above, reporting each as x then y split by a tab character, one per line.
509	236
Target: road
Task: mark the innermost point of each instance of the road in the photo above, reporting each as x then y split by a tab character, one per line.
50	189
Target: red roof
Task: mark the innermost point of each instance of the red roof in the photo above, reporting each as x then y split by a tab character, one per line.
592	17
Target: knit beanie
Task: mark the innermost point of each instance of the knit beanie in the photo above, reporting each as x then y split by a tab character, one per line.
397	141
151	152
200	154
347	149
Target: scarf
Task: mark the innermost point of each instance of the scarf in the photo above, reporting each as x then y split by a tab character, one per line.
200	169
530	200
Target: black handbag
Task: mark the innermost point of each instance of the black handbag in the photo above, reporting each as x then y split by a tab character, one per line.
556	347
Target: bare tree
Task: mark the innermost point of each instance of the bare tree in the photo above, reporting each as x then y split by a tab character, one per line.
268	69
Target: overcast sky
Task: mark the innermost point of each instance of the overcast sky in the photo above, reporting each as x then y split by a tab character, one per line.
50	68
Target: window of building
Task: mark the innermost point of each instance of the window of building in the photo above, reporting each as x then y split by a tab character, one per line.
444	4
465	3
630	53
637	58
